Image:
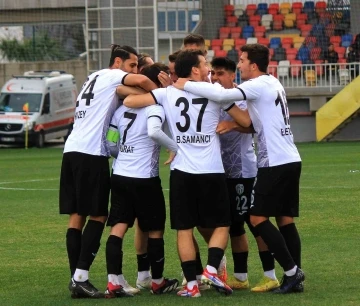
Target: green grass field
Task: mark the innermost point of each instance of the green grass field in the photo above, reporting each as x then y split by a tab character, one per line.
33	261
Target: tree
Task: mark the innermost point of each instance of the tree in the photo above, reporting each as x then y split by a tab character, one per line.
40	48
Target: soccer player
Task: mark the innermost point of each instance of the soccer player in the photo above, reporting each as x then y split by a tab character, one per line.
171	65
136	190
239	159
198	192
276	190
85	177
144	60
194	42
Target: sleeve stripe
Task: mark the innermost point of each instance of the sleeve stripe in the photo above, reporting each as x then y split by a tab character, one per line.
114	126
156	102
122	81
230	107
156	117
242	92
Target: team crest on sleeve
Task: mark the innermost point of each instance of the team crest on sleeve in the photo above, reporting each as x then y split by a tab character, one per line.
239	189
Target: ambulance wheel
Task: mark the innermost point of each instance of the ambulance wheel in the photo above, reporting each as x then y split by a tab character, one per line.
40	140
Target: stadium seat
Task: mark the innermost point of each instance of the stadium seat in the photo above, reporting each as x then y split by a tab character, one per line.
239	42
216	44
228	10
289	21
279	54
275	42
210	53
310	77
278	22
300	20
297	7
264	41
248	31
320	7
291	54
272	68
233	54
259	31
243	21
295	68
220	53
285	8
346	40
239	10
252	40
235	32
344	76
273	8
283	68
287	42
309	7
254	21
231	21
224	32
325	18
335	40
262	9
251	9
305	30
228	42
340	51
271	53
207	43
266	21
315	53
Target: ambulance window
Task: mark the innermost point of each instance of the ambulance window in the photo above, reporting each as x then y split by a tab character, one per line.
46	106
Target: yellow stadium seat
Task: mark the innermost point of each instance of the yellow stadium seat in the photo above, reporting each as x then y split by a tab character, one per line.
310	77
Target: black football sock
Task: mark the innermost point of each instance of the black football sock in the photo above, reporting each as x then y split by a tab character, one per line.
199	266
114	255
276	244
214	257
90	244
240	262
267	260
293	241
189	269
157	257
143	262
73	247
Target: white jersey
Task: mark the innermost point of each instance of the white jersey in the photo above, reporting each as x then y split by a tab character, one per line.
138	153
269	113
95	107
192	121
237	150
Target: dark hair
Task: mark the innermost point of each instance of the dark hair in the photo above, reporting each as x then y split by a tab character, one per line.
153	71
185	61
142	59
194	39
223	62
257	54
173	56
121	51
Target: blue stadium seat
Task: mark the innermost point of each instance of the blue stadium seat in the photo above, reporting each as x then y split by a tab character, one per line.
248	31
275	42
346	40
262	9
309	6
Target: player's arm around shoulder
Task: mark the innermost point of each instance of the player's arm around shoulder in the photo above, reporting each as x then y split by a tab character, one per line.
123	91
137	101
139	80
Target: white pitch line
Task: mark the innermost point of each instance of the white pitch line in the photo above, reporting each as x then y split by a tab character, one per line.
27	189
29	181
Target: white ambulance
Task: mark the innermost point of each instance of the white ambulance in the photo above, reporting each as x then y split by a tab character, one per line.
40	104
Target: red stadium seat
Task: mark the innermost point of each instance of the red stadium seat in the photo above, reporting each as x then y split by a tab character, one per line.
229	10
310	41
271	53
287	42
305	29
239	42
291	54
301	20
315	53
319	68
216	44
259	31
224	32
295	68
254	21
220	53
272	69
264	41
320	6
340	51
335	40
329	30
231	21
251	9
235	32
296	7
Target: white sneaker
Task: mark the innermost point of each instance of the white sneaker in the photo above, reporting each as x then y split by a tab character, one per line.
201	286
144	284
127	288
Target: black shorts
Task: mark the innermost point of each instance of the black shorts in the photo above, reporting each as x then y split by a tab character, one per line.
198	200
276	191
140	198
240	196
84	184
